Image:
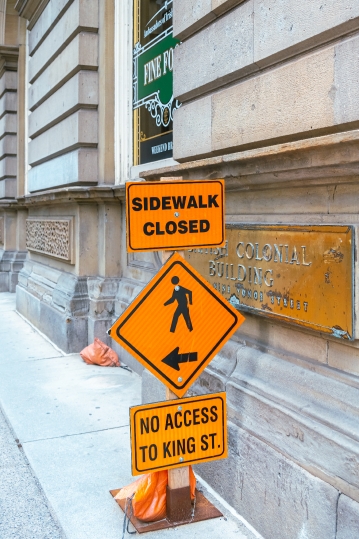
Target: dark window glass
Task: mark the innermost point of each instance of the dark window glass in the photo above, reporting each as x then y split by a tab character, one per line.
153	102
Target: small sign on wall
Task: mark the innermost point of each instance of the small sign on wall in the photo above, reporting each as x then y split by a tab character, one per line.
297	274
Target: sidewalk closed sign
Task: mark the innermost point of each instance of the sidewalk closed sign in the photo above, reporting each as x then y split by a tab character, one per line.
174	215
178	433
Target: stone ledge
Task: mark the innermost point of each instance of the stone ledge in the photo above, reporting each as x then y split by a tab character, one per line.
74	194
31	9
328	156
9	57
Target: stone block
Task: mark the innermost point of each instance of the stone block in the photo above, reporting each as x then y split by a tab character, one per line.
215	377
8	145
79	17
79	129
127	291
8	124
270	106
348	518
68	332
8	103
192	129
283	28
283	339
13	280
64	328
220	6
191	15
81	53
48	18
306	415
152	389
102	293
80	91
256	201
126	358
345	90
4	281
223	52
7	187
344	357
27	304
277	497
8	82
98	328
8	169
70	294
79	166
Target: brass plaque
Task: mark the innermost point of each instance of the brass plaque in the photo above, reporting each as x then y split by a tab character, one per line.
297	274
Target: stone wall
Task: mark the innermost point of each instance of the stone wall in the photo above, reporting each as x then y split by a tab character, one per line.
12	248
269	93
249	58
63	95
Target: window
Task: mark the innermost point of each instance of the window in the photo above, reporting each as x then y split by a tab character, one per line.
153	102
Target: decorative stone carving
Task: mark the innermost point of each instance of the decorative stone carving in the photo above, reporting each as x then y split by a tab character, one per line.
1	231
51	237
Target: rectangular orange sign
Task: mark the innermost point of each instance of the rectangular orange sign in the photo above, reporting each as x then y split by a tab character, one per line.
177	433
174	215
176	325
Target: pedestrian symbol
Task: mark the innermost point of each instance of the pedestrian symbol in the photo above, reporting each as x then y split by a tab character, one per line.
180	295
168	329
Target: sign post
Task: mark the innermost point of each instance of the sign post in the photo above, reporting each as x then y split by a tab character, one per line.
166	329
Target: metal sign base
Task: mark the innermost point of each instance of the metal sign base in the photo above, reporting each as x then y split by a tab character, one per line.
204	510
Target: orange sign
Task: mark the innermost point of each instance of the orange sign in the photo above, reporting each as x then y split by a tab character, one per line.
178	433
174	215
176	325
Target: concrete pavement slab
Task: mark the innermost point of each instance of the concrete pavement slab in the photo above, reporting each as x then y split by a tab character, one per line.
72	422
7	302
62	396
24	511
77	472
20	341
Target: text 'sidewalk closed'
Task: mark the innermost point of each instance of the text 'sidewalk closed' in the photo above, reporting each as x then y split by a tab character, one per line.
174	214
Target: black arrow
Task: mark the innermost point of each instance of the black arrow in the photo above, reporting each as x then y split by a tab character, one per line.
174	358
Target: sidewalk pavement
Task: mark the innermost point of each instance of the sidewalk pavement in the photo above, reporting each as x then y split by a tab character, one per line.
70	421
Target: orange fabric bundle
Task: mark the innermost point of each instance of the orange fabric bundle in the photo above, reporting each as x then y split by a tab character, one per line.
149	495
99	353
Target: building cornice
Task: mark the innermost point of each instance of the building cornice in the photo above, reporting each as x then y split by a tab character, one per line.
322	159
77	194
31	9
9	57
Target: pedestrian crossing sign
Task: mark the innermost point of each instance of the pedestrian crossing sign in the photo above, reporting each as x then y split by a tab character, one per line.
176	325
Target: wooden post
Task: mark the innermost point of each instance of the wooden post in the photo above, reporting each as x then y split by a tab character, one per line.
179	506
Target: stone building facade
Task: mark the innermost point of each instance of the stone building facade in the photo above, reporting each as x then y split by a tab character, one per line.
269	94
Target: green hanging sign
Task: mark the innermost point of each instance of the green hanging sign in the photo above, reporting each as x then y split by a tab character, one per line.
152	78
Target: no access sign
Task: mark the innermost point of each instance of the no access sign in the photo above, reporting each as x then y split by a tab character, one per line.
174	215
176	325
178	433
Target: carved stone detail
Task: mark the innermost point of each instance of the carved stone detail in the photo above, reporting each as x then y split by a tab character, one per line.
51	237
1	231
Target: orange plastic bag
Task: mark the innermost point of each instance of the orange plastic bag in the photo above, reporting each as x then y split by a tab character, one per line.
99	353
149	495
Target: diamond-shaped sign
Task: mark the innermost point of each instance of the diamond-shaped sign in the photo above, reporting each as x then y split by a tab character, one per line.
176	325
